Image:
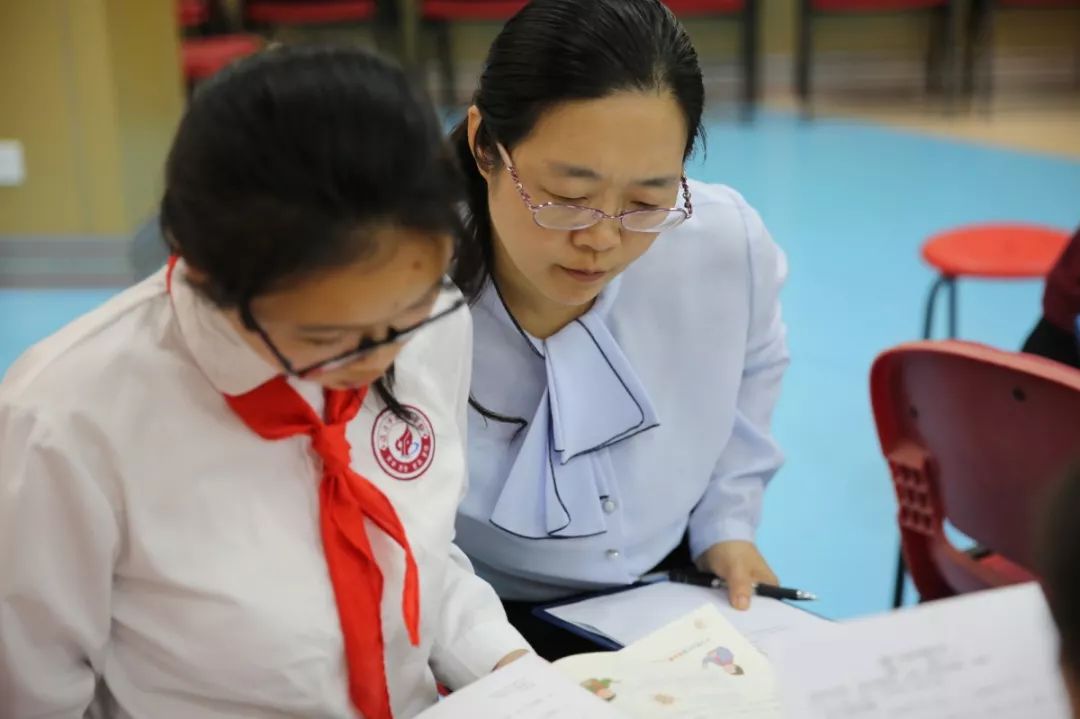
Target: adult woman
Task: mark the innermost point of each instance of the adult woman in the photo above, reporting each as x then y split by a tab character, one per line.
621	400
203	511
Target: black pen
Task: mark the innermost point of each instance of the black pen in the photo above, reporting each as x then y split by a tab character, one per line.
704	579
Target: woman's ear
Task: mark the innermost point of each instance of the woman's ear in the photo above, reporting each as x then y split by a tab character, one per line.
474	121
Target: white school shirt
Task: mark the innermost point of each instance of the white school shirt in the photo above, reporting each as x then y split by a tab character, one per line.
647	416
150	539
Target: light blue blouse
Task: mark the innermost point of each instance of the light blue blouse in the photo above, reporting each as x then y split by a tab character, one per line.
647	416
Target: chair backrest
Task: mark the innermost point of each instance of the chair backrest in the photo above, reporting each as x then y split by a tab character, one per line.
307	12
972	435
193	13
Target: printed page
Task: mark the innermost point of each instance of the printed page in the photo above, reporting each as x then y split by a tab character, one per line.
626	617
529	688
647	690
990	655
703	639
684	671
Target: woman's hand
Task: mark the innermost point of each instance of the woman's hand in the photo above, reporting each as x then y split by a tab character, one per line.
511	657
741	565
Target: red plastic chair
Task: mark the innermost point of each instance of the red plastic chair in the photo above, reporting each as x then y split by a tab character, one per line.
1008	251
941	47
203	55
975	436
989	251
276	13
194	13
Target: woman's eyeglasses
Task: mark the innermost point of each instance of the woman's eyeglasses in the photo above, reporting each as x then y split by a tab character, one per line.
563	216
363	349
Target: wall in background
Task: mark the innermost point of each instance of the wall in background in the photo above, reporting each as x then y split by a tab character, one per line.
92	89
887	37
1016	31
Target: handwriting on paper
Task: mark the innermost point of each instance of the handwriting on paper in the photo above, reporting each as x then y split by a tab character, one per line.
985	656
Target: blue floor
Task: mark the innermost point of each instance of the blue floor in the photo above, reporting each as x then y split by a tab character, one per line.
850	203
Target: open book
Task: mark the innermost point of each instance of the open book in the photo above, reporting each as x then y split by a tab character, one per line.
686	670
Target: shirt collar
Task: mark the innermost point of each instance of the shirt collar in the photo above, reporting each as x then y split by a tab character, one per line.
492	301
230	364
592	400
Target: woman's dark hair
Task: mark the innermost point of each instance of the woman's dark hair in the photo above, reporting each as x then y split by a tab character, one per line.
1060	564
287	163
555	51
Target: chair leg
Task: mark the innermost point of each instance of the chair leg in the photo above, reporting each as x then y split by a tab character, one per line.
935	46
979	60
1076	59
803	54
385	32
953	307
951	47
219	21
444	51
751	78
928	332
1076	69
931	302
989	56
941	54
970	51
898	585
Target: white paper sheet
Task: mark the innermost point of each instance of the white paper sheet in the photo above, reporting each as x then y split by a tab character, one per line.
991	655
529	688
627	617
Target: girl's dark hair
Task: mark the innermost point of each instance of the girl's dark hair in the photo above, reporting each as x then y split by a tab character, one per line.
554	51
288	162
1060	564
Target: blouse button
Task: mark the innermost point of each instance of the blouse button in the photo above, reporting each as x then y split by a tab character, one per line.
613	554
609	506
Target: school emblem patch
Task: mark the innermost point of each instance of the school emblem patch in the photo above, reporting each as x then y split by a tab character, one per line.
403	449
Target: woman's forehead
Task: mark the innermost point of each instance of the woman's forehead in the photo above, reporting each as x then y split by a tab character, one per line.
638	137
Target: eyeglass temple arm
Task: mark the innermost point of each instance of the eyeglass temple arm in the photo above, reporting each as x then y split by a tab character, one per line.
686	197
